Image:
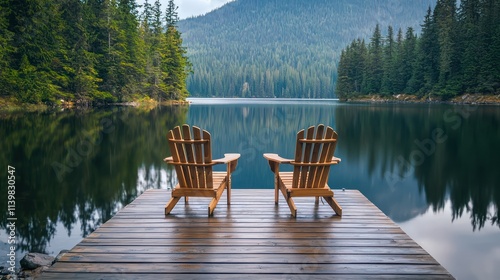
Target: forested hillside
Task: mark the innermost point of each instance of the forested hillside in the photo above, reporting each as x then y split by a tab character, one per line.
458	52
93	51
283	48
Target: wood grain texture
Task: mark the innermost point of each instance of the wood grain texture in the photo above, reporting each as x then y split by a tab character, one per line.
251	239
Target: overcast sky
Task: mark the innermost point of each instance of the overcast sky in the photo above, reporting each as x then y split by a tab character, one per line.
189	8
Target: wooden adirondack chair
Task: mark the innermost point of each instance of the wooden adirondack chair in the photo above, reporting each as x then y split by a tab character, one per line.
192	158
311	165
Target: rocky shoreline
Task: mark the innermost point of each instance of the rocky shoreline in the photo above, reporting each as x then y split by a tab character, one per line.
467	99
32	265
12	105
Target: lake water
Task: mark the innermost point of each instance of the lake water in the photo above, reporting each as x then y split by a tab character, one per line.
433	169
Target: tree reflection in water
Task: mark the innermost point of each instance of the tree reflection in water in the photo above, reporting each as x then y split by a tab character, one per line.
80	168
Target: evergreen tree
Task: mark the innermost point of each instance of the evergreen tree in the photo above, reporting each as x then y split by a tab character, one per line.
389	77
456	53
39	47
174	62
88	51
351	70
426	72
444	20
82	75
131	49
344	85
6	48
153	36
407	61
374	71
469	36
489	46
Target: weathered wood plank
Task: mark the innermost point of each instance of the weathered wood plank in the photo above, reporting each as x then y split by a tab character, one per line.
150	276
320	257
251	242
251	239
174	249
253	268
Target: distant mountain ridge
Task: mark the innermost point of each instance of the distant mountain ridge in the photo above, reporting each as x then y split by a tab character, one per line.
284	48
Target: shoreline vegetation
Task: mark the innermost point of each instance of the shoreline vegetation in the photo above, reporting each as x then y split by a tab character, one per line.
92	53
454	59
10	104
465	99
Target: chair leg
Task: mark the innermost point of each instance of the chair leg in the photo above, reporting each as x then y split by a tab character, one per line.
289	201
171	204
276	189
211	206
215	199
334	204
228	190
291	205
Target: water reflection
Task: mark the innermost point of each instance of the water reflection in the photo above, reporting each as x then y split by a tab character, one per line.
81	167
450	152
74	170
403	157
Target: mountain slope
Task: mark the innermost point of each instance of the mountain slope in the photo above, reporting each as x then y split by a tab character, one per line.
283	48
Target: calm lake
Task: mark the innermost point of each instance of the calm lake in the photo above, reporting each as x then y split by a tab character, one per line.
433	169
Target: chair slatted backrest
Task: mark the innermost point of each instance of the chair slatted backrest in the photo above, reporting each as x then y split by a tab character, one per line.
192	155
313	157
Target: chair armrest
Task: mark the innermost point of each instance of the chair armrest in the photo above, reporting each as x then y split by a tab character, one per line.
231	160
338	160
276	158
227	158
168	159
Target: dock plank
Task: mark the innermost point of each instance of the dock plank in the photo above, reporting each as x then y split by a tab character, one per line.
251	238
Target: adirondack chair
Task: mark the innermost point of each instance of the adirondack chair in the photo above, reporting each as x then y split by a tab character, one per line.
192	158
311	165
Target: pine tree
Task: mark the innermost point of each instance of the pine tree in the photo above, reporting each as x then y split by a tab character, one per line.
489	46
444	20
407	61
175	63
426	72
6	49
83	77
351	70
132	61
374	70
344	82
152	34
39	47
389	59
468	17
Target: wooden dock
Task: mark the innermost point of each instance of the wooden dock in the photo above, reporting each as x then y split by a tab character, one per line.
252	239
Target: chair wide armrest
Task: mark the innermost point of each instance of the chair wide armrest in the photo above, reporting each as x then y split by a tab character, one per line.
168	159
276	158
231	160
227	158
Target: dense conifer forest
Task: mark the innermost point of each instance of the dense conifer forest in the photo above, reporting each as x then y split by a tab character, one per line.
458	52
90	51
283	48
